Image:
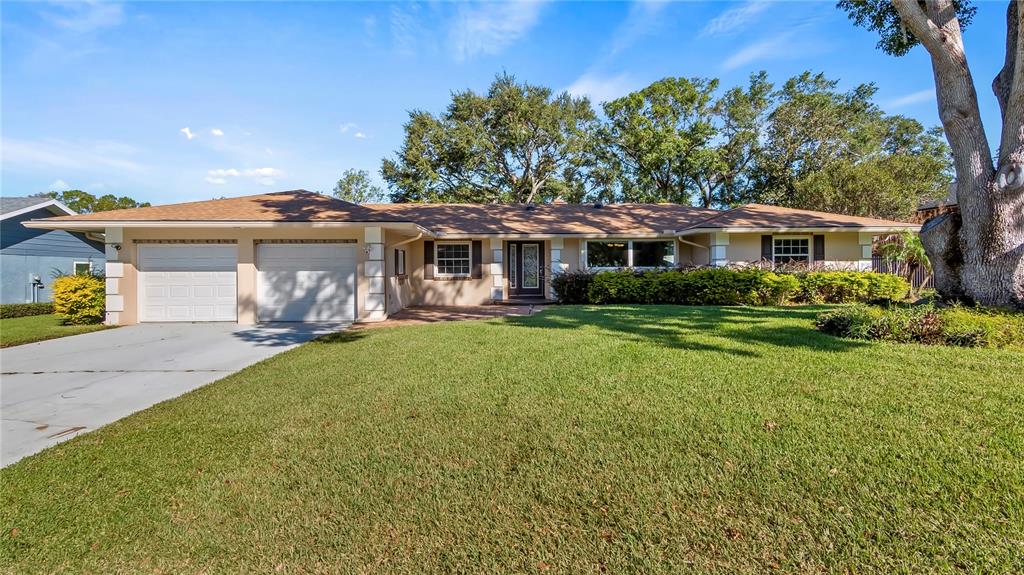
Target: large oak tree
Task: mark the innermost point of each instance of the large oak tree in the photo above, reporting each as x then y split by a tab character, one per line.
978	253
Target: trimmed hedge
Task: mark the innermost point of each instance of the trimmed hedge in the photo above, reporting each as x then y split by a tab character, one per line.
850	287
725	286
79	299
9	310
925	324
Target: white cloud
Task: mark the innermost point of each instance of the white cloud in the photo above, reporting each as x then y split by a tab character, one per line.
188	133
643	18
780	46
490	27
359	135
346	127
217	132
602	88
85	17
734	19
404	26
925	95
59	185
370	26
79	155
263	176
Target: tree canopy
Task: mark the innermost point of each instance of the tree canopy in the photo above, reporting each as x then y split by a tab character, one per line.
804	144
516	143
86	203
355	186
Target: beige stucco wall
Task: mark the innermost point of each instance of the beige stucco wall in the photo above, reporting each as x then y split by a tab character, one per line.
453	292
842	249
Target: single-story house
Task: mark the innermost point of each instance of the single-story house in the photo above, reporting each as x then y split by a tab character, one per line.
302	256
29	258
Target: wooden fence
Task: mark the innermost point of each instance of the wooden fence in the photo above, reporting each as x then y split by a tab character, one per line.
881	265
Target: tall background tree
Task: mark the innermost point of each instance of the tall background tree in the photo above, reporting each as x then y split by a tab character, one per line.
516	143
86	203
978	253
355	186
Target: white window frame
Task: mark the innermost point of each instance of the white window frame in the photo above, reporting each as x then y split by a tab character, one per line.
74	266
437	260
400	270
810	247
629	253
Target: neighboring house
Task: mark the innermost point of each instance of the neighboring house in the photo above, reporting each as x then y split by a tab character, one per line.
29	258
301	256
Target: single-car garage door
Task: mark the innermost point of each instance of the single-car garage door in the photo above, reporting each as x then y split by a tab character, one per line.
306	281
188	282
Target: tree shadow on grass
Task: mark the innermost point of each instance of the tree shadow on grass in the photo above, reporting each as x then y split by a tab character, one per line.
686	327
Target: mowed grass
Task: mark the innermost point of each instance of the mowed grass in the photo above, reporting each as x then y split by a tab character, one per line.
579	440
22	330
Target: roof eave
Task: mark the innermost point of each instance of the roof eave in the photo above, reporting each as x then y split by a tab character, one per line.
808	229
100	225
48	204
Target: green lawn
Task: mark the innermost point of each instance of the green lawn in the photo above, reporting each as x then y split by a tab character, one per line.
21	330
580	440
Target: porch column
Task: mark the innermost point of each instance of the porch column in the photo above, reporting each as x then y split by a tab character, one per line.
373	269
497	270
116	254
719	247
866	241
557	265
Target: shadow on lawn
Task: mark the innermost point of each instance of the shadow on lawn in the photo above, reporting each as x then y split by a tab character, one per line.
684	327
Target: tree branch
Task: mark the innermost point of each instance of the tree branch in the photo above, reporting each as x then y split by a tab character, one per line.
1009	88
921	26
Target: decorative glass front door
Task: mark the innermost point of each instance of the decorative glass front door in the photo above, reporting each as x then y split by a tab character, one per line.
525	268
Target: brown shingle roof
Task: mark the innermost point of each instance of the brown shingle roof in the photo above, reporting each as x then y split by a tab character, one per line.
291	206
583	219
762	216
612	219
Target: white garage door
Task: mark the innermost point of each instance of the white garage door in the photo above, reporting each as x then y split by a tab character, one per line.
188	282
306	282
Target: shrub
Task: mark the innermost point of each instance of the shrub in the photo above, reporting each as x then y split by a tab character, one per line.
705	286
79	299
925	324
572	287
622	287
886	287
982	328
9	310
850	287
854	321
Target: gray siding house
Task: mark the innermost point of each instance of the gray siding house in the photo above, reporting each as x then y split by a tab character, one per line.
30	257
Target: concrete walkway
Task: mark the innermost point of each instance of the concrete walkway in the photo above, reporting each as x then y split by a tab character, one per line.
54	390
431	314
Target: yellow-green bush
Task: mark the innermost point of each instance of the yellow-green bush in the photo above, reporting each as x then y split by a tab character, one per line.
79	299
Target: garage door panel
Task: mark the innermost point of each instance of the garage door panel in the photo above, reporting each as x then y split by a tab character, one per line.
188	282
306	282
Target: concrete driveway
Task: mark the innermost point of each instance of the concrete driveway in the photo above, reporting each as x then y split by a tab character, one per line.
53	390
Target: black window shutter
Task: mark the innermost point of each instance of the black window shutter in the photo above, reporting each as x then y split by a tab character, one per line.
819	248
766	248
478	252
428	260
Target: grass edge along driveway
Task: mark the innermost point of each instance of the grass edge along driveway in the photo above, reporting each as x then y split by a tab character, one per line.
30	329
612	439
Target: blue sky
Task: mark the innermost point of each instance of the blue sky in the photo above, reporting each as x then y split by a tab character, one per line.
171	102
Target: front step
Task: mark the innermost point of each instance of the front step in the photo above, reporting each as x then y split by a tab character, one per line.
525	301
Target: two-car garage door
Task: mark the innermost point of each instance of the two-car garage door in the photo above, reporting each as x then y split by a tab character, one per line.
294	282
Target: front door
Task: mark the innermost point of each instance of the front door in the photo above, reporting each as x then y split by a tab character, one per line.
526	269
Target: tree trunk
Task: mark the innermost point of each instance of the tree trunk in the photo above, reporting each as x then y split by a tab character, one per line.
977	255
